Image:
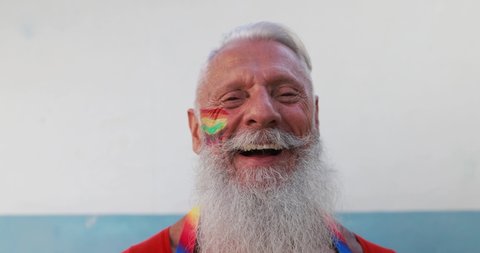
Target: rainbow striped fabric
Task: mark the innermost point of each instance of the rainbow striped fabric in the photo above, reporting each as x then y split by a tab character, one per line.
338	239
188	237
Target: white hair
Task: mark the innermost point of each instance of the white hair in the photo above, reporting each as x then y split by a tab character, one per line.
261	31
267	31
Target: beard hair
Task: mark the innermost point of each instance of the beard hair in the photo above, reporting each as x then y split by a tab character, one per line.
275	210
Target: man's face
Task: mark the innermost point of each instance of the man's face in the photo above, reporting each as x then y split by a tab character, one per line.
251	86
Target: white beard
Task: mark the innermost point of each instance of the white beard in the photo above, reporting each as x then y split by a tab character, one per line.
282	210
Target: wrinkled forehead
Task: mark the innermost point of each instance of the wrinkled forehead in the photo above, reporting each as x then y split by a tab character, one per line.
260	53
241	56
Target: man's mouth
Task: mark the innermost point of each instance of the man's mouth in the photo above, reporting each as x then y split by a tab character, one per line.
261	150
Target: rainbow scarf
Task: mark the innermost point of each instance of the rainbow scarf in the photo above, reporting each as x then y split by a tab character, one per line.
188	238
338	239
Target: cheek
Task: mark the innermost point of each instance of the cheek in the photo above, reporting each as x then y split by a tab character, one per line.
299	119
214	122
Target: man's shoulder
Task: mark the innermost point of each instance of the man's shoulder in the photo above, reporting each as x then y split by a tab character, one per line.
160	242
163	241
369	247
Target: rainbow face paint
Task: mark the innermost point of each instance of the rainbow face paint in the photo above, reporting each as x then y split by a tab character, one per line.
213	121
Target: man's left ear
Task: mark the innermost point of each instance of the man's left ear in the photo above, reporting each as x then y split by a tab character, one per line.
317	121
194	131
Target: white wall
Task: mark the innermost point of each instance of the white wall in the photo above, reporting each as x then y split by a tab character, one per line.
93	100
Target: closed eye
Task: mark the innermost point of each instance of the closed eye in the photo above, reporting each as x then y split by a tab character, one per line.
290	94
233	99
287	95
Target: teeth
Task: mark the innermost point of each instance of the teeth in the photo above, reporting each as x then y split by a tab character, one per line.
260	147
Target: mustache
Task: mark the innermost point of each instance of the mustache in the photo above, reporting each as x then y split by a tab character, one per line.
272	137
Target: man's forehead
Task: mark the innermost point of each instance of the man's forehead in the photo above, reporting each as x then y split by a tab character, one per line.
246	58
252	50
238	60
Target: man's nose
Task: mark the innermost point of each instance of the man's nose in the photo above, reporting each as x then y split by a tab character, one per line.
262	112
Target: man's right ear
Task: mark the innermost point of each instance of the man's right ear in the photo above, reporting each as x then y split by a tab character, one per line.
194	131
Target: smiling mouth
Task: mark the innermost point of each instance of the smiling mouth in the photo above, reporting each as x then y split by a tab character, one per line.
261	150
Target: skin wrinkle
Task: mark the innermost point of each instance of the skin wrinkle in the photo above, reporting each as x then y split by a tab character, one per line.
286	58
221	65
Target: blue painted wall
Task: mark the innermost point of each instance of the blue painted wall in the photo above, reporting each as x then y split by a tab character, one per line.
433	232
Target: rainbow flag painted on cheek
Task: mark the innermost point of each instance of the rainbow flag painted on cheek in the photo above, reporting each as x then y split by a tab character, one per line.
213	120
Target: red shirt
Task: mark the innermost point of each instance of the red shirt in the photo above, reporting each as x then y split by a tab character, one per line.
369	247
159	243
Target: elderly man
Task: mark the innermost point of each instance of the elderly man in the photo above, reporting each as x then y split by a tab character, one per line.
261	184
